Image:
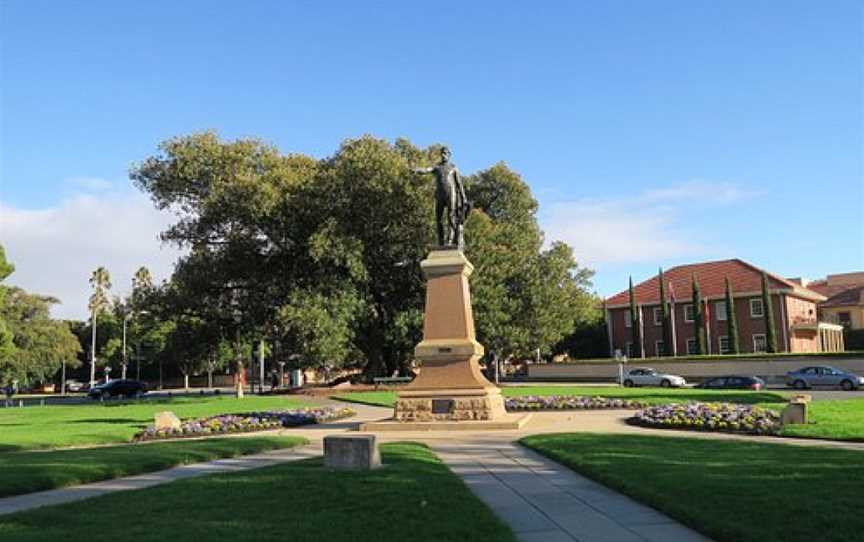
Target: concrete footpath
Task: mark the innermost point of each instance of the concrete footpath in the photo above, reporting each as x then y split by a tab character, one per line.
542	501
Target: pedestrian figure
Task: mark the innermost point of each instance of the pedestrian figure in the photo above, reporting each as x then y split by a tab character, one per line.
274	381
9	392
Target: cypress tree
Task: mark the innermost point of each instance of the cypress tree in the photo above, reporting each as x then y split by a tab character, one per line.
770	335
634	324
698	319
731	320
664	316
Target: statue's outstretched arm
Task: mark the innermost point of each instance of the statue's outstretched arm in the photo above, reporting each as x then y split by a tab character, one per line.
422	170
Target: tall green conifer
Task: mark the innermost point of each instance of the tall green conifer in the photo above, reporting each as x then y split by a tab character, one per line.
698	319
731	320
770	334
664	315
634	324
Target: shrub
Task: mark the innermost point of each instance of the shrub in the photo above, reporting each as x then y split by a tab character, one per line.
567	402
244	423
722	417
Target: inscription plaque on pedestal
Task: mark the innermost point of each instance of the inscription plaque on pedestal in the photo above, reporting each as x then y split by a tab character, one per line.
442	406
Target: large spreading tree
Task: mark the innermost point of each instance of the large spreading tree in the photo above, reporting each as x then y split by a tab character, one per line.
33	346
322	256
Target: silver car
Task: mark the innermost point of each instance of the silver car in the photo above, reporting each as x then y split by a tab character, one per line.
823	376
646	376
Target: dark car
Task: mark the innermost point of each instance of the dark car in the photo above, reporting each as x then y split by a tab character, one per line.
733	382
117	388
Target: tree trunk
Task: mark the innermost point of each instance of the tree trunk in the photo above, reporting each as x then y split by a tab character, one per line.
239	380
186	381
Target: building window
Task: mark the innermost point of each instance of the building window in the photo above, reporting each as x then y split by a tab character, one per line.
689	313
756	308
658	316
723	341
759	343
692	347
720	311
844	319
628	319
629	349
660	348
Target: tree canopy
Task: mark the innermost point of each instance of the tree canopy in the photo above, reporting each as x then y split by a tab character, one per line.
32	344
322	256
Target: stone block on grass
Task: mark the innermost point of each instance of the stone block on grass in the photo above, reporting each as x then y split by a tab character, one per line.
166	420
351	452
794	413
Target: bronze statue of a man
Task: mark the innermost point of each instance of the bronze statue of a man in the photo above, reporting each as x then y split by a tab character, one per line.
450	201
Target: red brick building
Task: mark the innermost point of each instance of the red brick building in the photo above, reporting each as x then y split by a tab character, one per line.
795	317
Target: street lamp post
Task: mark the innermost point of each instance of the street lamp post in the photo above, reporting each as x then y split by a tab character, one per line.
138	359
125	320
93	352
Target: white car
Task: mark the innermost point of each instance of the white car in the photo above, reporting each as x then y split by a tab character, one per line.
645	376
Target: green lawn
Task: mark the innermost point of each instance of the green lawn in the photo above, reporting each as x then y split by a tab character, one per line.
731	491
414	497
31	428
26	472
839	420
648	395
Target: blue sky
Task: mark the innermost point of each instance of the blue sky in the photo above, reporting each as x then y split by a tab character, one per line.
652	133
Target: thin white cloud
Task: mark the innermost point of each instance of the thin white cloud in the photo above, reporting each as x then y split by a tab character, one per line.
55	250
644	228
698	190
90	184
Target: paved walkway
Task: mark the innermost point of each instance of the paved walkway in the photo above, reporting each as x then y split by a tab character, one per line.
543	501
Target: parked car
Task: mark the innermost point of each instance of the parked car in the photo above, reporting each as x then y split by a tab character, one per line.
117	388
733	382
646	376
75	385
823	376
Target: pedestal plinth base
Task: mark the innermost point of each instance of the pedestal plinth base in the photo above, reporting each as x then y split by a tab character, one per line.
506	422
454	404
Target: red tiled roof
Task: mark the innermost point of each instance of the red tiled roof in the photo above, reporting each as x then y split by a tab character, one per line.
828	290
711	276
850	296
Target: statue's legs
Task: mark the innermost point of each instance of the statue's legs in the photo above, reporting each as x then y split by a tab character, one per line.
452	219
445	208
440	208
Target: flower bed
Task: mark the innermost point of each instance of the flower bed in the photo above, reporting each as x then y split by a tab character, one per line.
567	402
723	417
246	422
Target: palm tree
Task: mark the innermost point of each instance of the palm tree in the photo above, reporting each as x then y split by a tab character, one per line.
100	281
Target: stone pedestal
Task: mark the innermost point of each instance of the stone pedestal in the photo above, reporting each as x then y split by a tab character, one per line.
796	411
450	385
351	452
